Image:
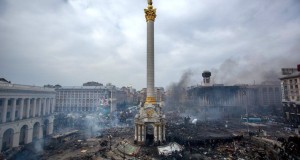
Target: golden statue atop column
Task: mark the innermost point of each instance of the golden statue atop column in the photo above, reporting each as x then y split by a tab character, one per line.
150	12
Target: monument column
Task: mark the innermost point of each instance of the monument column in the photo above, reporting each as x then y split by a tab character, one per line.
150	15
149	112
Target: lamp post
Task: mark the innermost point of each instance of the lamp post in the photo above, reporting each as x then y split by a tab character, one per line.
243	95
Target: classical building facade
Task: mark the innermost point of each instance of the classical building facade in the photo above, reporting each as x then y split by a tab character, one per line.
26	114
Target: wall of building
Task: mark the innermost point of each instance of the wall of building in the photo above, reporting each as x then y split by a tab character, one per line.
254	98
291	88
81	99
290	85
26	114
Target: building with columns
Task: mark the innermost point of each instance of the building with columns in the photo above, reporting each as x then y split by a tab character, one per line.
26	114
149	121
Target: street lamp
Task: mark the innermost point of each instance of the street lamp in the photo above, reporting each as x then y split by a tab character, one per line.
243	95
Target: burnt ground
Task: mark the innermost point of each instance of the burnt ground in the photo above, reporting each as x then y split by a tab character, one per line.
203	140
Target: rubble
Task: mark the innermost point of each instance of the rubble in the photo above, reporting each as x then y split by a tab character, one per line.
200	140
167	150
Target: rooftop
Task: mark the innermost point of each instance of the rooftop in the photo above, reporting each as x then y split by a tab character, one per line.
293	75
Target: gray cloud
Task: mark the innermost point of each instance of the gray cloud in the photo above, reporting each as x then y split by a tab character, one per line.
74	41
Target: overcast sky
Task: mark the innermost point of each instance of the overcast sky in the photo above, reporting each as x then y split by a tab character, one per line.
70	42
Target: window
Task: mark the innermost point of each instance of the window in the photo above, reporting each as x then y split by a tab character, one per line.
18	101
9	102
8	115
264	89
270	89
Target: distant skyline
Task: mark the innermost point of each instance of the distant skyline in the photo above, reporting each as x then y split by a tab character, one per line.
70	42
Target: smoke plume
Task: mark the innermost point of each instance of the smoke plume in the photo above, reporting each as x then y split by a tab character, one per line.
253	69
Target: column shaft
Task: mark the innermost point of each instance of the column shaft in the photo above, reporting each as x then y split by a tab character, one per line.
44	106
13	112
140	133
39	107
159	133
135	132
28	108
21	109
50	131
4	111
150	59
143	133
34	107
155	133
48	106
53	105
164	132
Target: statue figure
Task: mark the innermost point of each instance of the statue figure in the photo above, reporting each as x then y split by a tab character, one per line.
149	2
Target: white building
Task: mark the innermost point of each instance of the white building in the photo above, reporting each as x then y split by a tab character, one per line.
26	113
82	98
290	85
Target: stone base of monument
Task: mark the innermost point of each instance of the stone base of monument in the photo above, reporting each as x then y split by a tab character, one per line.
149	125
